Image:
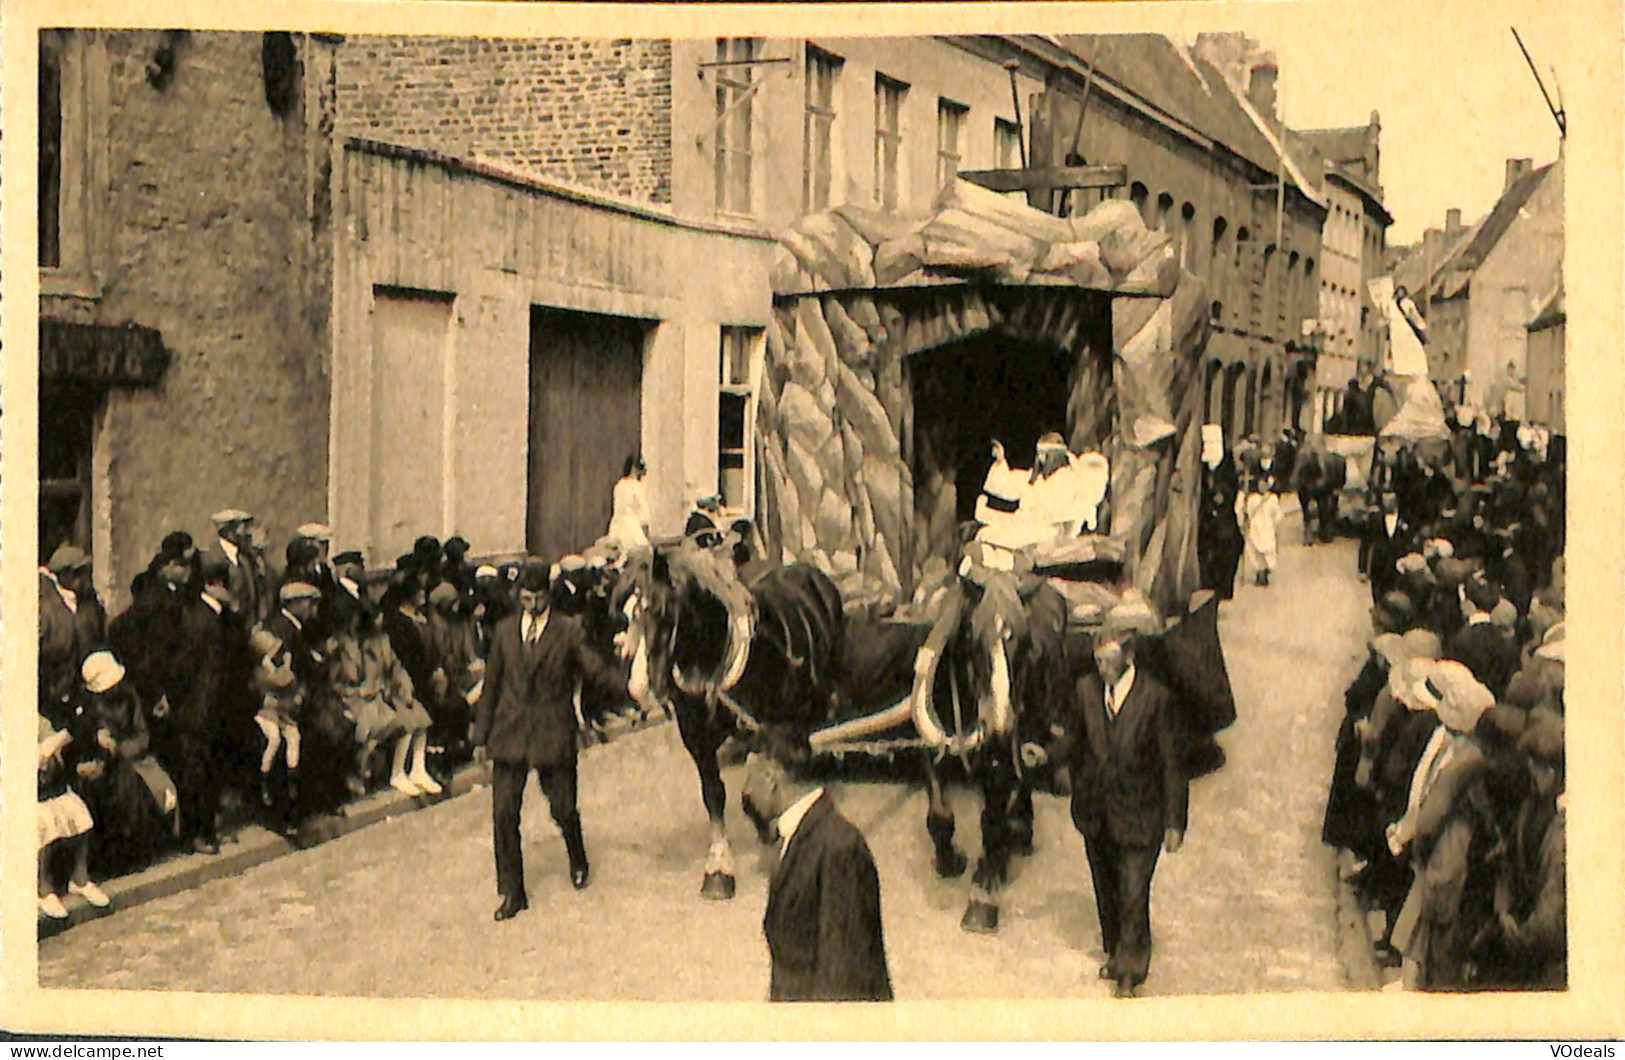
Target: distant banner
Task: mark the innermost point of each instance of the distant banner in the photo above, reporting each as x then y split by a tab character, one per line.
1406	330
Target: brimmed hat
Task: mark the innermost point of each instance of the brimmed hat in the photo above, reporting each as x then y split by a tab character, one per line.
485	570
315	532
227	516
349	558
175	545
1551	643
101	671
1450	690
67	558
298	591
1134	614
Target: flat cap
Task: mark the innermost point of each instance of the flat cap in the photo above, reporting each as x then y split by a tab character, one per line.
228	516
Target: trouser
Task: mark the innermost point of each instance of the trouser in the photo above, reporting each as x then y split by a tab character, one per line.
558	783
1121	873
192	765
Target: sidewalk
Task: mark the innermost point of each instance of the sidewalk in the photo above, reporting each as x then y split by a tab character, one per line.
257	845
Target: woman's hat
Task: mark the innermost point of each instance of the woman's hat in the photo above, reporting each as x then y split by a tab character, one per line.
1450	690
101	671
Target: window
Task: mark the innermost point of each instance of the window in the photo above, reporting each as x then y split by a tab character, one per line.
735	87
1138	194
888	140
50	150
1165	206
735	357
950	139
818	130
1006	144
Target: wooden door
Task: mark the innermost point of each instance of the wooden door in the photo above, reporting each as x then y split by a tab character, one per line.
410	333
586	418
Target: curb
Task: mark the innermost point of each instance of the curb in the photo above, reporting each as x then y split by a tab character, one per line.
257	845
1354	943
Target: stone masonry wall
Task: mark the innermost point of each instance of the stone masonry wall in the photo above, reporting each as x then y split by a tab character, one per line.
593	112
213	236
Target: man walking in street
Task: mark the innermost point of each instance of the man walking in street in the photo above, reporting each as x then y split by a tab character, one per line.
526	721
823	923
1129	789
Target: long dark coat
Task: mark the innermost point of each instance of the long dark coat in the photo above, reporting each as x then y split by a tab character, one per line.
823	923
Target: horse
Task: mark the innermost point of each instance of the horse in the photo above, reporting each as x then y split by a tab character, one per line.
990	677
729	658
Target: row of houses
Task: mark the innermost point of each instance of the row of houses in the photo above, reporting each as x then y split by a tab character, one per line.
1492	294
409	285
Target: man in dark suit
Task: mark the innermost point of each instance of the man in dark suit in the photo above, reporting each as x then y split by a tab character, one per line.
187	741
822	923
1120	740
526	720
1491	655
247	578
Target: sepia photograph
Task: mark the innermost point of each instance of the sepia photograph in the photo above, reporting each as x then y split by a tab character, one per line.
1059	510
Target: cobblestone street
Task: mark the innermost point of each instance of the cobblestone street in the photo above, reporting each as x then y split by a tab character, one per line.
403	909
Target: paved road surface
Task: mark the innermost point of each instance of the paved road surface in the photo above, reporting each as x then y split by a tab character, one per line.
403	909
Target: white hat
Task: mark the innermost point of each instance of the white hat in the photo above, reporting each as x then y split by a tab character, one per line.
299	591
1451	690
485	570
101	671
315	532
227	516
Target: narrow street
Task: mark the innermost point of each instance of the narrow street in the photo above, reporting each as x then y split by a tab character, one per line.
403	909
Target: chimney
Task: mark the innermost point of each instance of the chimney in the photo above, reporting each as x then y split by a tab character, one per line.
1516	169
1452	221
1261	88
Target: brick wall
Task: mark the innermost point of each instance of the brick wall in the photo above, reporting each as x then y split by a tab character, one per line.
592	112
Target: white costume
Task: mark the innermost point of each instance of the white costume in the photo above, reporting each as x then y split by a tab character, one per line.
629	513
1017	511
1259	514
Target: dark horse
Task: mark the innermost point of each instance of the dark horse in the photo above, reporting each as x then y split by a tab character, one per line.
990	678
730	658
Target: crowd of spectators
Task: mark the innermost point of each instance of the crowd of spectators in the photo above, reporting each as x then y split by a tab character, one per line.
234	690
1446	797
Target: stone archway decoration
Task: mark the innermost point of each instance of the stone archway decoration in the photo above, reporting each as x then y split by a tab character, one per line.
857	292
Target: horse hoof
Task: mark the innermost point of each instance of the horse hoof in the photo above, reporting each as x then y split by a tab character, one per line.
718	887
951	867
980	917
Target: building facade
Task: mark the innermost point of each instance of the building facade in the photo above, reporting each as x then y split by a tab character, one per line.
1355	245
185	286
1480	299
1547	384
497	221
1206	160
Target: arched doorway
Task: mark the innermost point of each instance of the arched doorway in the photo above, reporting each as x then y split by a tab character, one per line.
1230	399
1266	410
1249	419
1214	367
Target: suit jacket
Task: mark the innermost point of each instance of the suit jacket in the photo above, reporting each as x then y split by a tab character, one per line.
247	583
1128	778
59	651
527	712
199	680
823	915
1491	655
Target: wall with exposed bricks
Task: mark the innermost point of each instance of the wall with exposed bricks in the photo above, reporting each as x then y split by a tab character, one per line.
591	112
